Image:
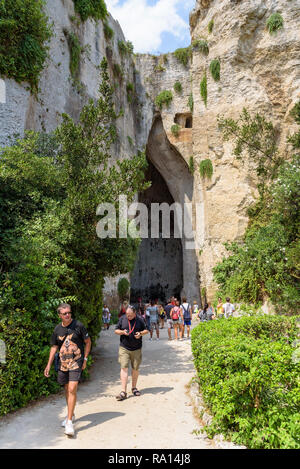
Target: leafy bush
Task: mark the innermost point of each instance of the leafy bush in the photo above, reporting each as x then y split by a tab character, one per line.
214	68
117	71
159	68
178	87
191	165
175	129
49	192
206	168
164	98
24	33
125	48
274	23
108	31
203	89
95	9
191	102
75	52
249	380
123	288
210	26
130	92
183	55
201	45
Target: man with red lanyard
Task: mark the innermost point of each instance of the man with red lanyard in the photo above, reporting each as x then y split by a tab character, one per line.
131	329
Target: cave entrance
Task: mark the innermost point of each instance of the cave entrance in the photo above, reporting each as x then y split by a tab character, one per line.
158	272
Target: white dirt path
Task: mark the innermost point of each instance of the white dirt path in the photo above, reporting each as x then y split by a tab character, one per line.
162	417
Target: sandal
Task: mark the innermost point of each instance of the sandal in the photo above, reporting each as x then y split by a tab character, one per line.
122	396
136	392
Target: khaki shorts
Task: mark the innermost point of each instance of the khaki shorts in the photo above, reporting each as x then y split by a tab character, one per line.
130	356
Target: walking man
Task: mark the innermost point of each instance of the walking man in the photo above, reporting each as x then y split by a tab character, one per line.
187	317
154	319
74	344
131	329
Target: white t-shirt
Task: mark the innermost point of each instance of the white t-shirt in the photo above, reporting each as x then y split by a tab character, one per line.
228	309
185	307
196	308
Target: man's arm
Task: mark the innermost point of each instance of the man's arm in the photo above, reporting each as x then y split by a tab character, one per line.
52	353
87	349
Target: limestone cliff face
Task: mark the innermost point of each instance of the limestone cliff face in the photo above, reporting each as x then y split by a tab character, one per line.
258	71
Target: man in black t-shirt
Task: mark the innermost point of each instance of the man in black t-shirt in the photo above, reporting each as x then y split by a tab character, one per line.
74	344
130	328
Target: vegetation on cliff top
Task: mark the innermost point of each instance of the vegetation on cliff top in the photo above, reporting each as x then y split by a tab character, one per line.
24	34
95	9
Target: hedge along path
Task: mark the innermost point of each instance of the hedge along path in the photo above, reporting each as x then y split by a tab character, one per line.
162	417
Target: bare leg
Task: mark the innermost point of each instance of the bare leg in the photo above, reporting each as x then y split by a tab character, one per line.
134	378
124	378
73	385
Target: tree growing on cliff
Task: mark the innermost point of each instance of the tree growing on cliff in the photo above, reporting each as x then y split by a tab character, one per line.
266	264
49	192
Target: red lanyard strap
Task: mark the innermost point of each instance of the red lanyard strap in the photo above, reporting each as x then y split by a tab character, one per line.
131	329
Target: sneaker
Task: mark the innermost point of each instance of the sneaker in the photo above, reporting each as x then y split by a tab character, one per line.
63	423
150	338
69	428
157	338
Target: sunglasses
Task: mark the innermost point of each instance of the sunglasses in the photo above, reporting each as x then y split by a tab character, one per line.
65	314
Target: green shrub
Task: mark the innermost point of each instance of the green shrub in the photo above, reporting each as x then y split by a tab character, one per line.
95	9
108	31
178	87
24	33
123	288
164	98
49	193
175	129
117	71
210	26
206	168
75	52
125	48
214	68
274	23
130	141
203	89
191	165
130	92
191	102
183	55
159	68
201	45
249	380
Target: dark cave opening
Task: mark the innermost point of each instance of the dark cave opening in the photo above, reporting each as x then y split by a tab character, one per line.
158	271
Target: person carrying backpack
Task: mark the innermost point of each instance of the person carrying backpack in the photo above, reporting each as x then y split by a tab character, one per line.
187	315
175	316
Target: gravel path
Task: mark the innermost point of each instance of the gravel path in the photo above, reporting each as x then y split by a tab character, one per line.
162	417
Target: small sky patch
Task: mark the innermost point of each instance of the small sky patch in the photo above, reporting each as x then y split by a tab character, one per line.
154	26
